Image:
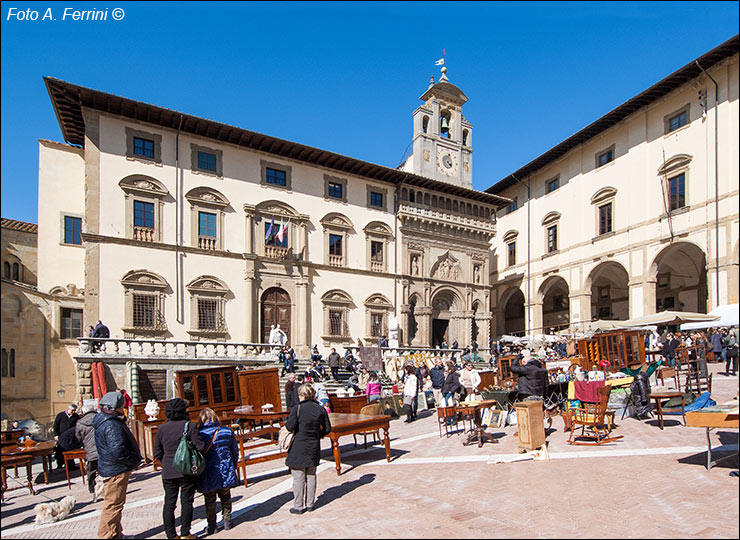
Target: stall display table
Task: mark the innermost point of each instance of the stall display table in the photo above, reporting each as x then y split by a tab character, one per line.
660	396
347	424
478	434
267	417
16	461
44	450
711	418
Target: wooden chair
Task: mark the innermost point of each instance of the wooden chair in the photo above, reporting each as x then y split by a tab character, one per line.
446	416
667	373
593	416
71	455
373	409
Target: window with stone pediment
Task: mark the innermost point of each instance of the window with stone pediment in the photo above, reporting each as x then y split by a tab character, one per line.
551	223
208	297
378	236
377	310
337	229
207	212
265	222
603	201
144	199
144	301
675	176
337	305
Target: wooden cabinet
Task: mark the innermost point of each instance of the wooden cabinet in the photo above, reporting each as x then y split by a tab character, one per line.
487	378
347	404
621	348
259	386
530	421
214	388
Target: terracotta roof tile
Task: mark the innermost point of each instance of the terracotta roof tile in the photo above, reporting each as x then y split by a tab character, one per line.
19	225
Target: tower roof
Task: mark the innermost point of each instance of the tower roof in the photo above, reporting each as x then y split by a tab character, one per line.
445	89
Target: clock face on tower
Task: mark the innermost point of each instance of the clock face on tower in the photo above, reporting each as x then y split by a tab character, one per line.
447	161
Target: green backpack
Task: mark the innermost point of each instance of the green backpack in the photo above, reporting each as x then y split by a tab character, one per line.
188	460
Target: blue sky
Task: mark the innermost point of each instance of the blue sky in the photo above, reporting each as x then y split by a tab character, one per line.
346	77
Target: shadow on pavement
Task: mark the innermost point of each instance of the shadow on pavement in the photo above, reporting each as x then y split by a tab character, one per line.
345	488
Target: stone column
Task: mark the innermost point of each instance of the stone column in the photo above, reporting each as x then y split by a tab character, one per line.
580	309
303	312
423	336
249	234
249	308
642	297
303	242
536	317
403	323
483	320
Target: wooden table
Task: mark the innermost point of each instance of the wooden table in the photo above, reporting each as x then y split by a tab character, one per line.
347	424
269	417
11	436
711	418
478	434
16	461
658	396
43	449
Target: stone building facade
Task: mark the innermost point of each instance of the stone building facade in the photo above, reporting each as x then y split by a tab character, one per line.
636	213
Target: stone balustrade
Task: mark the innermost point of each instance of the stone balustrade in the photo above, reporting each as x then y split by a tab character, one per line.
157	349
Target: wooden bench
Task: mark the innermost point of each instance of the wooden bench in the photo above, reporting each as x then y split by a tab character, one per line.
247	457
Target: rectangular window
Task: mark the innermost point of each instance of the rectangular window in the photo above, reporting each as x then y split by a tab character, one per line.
207	313
335	244
677	190
604	157
677	121
275	176
207	162
605	218
336	322
376	251
144	214
71	323
376	325
552	238
512	206
552	185
72	230
144	306
5	363
335	190
143	147
207	224
376	199
512	254
271	238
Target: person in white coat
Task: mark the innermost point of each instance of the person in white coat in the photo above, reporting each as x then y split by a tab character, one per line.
470	379
410	389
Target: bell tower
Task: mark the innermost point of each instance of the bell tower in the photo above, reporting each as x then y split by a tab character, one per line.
442	143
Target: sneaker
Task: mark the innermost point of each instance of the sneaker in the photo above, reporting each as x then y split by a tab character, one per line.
296	511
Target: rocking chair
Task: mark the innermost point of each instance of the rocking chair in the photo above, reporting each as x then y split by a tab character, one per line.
592	416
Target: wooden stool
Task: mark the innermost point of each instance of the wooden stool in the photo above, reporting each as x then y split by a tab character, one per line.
72	455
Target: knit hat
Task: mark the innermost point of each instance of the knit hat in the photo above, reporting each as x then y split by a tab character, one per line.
112	400
176	409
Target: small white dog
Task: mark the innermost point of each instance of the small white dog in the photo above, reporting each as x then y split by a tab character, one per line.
54	511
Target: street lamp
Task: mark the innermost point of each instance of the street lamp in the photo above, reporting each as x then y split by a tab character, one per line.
528	306
62	391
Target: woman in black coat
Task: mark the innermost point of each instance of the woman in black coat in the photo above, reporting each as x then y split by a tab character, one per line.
309	422
165	445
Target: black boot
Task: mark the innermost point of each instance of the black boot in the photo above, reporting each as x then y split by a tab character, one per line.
408	410
227	524
211	525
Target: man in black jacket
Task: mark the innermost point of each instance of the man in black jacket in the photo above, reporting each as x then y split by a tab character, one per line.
532	376
63	421
437	374
118	456
100	331
174	482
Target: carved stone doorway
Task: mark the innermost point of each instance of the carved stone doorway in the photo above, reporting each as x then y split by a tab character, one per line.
440	329
276	308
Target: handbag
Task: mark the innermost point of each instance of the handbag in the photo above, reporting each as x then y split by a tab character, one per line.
285	437
188	460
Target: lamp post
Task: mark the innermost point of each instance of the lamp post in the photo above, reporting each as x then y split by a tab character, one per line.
528	306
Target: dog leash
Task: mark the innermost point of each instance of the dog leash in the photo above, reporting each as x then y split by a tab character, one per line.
37	493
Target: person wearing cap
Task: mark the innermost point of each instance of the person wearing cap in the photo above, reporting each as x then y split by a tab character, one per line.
174	482
118	456
532	376
86	434
63	421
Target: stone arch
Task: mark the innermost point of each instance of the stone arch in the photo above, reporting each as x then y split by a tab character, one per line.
143	184
680	274
144	279
277	209
608	284
336	220
554	296
673	163
207	196
511	316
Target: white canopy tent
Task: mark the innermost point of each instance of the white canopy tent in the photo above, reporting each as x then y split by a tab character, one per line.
668	317
728	316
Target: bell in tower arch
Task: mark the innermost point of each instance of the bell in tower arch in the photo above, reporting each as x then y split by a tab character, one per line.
444	126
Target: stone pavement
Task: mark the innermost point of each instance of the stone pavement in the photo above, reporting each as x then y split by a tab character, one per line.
651	483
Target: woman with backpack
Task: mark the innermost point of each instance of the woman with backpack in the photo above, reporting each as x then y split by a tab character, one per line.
220	474
166	443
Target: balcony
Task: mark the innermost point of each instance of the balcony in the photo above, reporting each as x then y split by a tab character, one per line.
207	242
475	223
376	266
336	260
144	234
276	252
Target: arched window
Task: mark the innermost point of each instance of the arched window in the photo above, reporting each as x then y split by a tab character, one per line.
144	301
337	305
208	296
425	124
16	272
444	124
6	270
465	137
412	196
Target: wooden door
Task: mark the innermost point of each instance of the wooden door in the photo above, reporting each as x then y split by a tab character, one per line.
276	309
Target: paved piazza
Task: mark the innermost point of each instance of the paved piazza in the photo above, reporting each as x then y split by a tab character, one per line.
650	484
